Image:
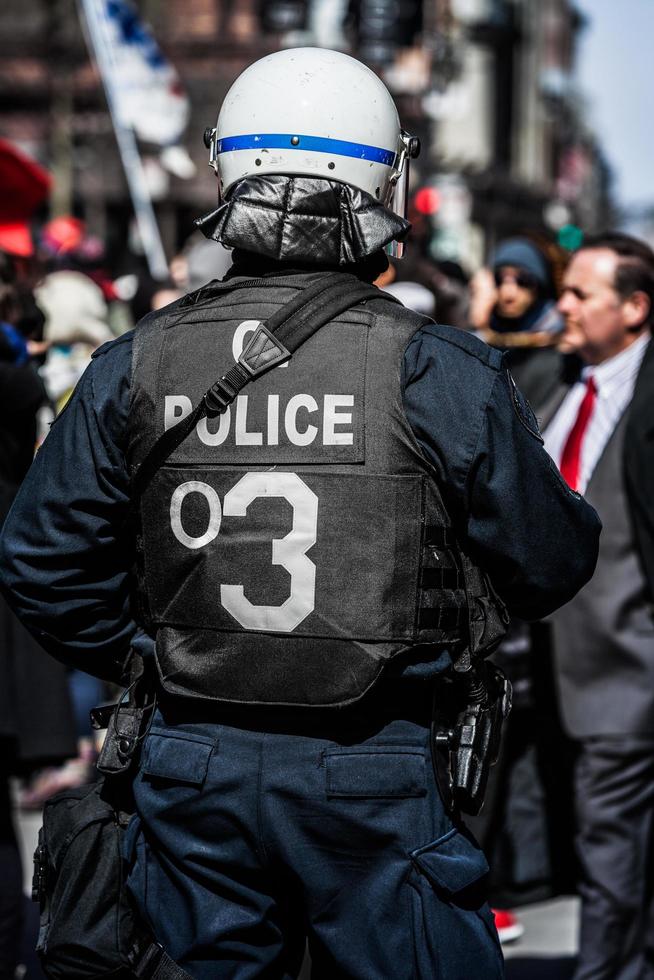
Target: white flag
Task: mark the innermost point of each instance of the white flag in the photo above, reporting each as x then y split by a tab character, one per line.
148	95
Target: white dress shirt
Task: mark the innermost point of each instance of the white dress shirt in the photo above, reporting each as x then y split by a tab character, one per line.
615	380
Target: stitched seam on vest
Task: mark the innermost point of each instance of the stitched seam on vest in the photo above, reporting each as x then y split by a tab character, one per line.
298	314
231	292
395	638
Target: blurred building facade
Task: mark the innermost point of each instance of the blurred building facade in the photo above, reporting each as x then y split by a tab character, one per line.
487	84
509	127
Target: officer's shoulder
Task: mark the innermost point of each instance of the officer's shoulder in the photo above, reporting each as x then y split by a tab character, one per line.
440	335
115	346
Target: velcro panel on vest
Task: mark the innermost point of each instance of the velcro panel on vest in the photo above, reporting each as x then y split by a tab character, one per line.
309	410
313	554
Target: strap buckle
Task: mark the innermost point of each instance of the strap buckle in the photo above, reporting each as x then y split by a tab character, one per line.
218	398
144	963
221	394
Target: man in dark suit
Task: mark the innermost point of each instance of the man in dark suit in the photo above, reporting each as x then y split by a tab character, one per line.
600	433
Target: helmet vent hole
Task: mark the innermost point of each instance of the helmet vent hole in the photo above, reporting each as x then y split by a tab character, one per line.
258	162
295	140
331	165
377	192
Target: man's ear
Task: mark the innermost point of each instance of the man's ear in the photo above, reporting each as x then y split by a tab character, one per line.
636	310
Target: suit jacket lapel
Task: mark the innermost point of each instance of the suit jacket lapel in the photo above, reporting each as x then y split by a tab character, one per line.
641	418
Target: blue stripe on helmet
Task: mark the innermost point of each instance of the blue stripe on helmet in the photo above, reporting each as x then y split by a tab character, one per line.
318	144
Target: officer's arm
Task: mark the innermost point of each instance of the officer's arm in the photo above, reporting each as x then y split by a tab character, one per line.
536	539
65	551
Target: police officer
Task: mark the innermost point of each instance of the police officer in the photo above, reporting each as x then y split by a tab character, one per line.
302	562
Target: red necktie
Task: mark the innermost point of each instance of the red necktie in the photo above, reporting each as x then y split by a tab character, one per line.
571	457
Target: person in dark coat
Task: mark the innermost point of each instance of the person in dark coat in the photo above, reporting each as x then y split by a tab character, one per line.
513	308
36	721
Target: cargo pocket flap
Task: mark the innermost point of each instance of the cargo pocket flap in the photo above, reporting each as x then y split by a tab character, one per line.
182	757
452	863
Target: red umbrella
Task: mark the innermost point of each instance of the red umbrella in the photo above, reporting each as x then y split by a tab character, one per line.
24	184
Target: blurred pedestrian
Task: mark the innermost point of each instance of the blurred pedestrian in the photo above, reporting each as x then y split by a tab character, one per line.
200	261
513	308
411	293
76	324
36	721
526	825
600	433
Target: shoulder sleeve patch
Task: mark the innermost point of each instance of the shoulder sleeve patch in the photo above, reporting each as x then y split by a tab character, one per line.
524	410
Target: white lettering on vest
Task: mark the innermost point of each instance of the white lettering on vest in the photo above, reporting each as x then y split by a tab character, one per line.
176	408
241	435
241	332
332	417
215	513
234	423
295	404
273	420
218	437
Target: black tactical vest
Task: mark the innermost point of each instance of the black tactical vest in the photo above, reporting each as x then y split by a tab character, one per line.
293	546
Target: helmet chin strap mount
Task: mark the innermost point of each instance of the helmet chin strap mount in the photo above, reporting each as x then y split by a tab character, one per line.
209	139
398	190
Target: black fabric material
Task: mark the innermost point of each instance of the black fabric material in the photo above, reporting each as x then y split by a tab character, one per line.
36	716
230	624
11	891
311	220
89	929
254	266
639	465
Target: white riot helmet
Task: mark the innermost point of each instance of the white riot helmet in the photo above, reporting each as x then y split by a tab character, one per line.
313	112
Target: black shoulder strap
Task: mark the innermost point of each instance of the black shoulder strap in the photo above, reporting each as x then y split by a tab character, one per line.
272	343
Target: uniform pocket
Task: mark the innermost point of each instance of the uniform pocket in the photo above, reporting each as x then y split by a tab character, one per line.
453	863
453	928
375	772
182	757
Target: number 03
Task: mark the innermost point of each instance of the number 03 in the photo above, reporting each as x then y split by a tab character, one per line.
289	551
